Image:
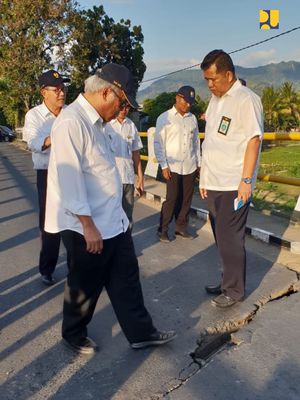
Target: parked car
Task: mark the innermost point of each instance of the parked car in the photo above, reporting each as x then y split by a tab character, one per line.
6	134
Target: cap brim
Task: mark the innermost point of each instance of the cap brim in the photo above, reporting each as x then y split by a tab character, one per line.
131	100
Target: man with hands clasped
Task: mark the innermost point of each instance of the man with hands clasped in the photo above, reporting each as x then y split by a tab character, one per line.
177	149
230	153
36	132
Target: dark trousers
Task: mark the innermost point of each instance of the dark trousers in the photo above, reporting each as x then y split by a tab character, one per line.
128	201
180	189
50	241
229	228
116	269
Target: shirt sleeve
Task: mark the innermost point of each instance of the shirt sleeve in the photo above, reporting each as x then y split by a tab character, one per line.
137	142
68	144
252	111
33	135
159	142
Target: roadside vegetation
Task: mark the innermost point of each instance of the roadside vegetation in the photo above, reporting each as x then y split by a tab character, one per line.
281	159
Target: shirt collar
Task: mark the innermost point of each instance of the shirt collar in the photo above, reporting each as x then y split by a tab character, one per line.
175	112
45	111
116	121
89	110
237	84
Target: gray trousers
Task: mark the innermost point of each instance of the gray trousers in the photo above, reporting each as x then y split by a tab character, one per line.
229	229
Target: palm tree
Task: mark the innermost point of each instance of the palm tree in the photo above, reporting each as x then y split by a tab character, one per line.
290	101
271	104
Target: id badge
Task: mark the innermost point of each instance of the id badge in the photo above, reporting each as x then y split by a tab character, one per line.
224	125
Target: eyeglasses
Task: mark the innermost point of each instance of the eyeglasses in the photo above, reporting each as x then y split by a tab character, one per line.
123	102
57	90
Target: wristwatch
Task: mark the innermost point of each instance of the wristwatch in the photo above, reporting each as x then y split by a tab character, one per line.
247	180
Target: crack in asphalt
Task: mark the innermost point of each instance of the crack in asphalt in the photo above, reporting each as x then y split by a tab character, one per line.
212	343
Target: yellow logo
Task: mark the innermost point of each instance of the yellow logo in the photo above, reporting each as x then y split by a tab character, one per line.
269	19
56	74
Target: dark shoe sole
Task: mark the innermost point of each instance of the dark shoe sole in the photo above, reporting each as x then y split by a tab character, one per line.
81	349
48	283
219	305
149	343
213	290
184	236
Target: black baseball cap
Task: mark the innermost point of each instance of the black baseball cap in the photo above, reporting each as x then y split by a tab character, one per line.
52	78
120	76
188	93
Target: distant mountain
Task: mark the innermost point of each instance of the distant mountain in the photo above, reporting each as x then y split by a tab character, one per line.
257	78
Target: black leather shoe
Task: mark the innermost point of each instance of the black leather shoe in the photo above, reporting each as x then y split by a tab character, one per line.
164	237
223	301
84	346
156	339
213	289
48	280
184	234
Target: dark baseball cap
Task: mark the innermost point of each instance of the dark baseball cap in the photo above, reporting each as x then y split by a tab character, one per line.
188	93
120	76
52	78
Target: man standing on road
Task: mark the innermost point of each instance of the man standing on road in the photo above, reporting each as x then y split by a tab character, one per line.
230	153
127	145
85	194
36	132
176	147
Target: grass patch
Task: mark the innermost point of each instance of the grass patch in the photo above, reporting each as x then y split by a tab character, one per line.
283	160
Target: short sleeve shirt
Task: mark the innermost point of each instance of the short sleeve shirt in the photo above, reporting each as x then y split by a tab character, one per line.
231	121
125	140
176	142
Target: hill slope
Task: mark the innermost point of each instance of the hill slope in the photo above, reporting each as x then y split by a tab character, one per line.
257	78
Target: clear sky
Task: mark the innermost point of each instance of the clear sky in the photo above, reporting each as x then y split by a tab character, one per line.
178	34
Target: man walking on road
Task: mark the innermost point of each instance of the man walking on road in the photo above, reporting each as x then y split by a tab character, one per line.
126	146
176	147
230	153
36	132
85	193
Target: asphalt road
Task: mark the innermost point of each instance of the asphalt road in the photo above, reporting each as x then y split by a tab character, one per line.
35	364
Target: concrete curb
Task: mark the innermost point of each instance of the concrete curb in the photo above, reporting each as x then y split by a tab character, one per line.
256	233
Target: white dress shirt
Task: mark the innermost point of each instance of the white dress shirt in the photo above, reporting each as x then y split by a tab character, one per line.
37	126
82	174
176	142
223	154
125	139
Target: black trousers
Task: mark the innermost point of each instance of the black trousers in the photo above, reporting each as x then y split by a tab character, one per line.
180	189
50	241
116	269
229	229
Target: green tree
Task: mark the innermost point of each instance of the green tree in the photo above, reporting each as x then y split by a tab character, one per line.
97	39
290	104
164	101
31	31
271	105
161	103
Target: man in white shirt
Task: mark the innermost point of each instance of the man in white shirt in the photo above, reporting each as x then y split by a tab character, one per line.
127	145
36	132
85	194
176	147
230	153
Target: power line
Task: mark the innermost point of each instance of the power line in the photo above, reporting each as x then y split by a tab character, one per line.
231	52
